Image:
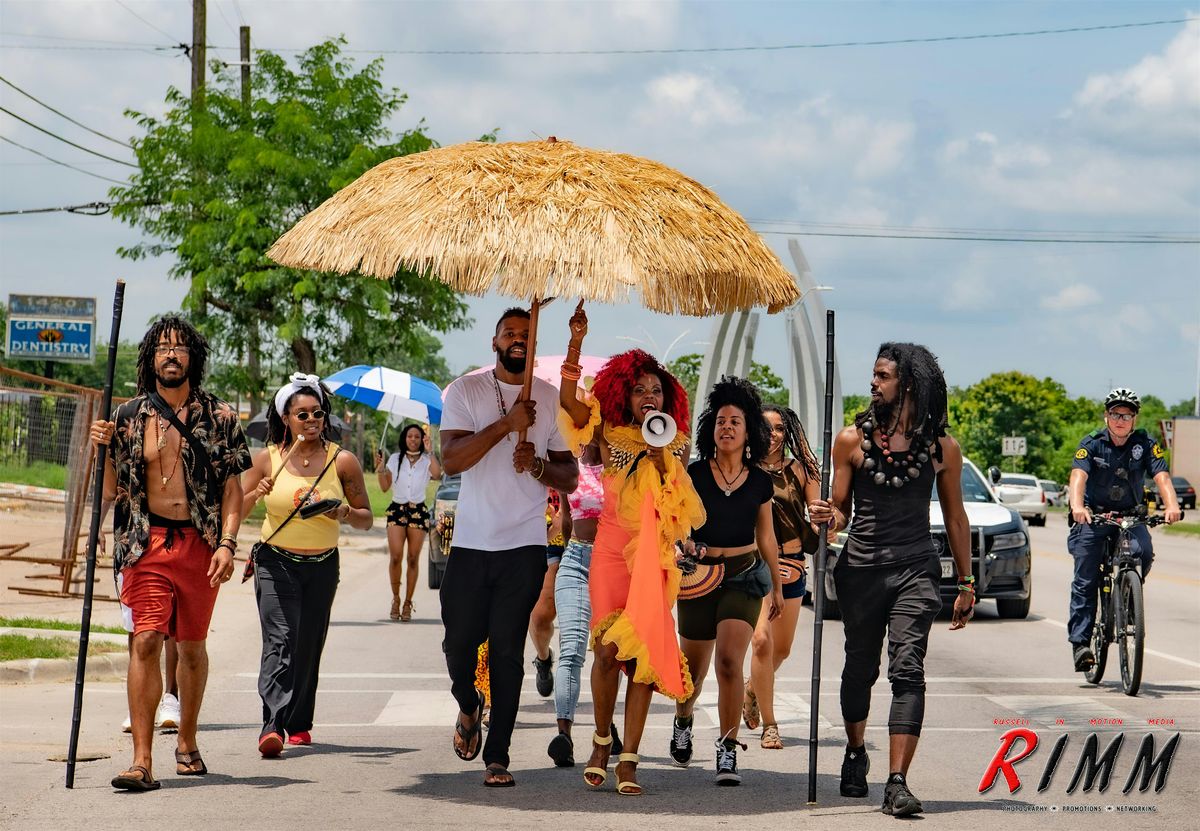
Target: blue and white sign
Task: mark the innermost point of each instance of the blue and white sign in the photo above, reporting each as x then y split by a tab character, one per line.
51	328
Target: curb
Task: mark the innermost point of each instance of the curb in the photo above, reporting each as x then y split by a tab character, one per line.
105	667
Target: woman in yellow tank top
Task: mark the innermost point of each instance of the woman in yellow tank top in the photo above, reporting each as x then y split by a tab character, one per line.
296	564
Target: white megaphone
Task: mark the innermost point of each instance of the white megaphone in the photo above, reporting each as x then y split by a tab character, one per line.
658	429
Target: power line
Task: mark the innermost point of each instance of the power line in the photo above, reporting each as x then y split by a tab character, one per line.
907	231
64	115
64	164
775	48
144	20
226	19
87	209
1077	241
156	50
133	46
80	40
65	141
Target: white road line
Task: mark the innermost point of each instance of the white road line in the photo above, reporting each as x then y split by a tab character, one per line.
1153	652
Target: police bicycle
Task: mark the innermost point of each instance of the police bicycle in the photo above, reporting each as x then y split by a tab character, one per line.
1120	613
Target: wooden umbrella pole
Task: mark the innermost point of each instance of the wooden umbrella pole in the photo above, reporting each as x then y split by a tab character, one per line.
530	357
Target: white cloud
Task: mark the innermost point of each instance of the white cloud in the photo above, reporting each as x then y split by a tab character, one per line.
700	100
1153	104
1073	296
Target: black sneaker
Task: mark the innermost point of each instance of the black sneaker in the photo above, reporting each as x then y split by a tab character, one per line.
545	674
562	751
1085	659
855	767
727	769
681	741
898	800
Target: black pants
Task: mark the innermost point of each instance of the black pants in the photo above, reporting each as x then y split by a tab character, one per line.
488	596
901	601
294	604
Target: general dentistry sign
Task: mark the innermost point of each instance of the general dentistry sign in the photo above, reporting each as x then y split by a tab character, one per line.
51	328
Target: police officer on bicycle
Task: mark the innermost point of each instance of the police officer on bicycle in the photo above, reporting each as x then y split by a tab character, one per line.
1108	473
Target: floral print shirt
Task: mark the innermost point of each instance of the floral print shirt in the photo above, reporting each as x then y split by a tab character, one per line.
212	421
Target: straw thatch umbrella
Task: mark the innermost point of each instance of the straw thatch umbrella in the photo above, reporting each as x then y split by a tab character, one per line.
542	219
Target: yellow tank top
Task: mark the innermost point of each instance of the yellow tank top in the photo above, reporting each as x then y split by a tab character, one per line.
320	532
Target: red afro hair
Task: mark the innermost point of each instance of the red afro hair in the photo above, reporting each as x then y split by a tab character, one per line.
617	378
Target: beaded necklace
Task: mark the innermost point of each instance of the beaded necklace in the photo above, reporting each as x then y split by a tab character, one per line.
500	401
904	466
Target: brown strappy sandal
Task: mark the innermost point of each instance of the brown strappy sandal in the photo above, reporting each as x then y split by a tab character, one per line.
407	612
770	738
185	762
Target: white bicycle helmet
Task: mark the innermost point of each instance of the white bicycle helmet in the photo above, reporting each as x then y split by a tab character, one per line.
1122	396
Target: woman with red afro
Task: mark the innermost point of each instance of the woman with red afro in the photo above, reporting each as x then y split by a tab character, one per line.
648	504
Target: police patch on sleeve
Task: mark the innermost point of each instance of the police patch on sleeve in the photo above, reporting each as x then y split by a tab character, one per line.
1137	452
1081	453
1156	451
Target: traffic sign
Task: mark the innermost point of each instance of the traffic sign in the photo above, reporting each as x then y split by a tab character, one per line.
1012	446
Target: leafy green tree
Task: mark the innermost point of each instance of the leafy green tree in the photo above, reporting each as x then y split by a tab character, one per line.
770	386
218	185
852	405
686	368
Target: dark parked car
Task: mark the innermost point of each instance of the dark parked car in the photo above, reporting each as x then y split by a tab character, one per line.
1001	558
440	534
1185	494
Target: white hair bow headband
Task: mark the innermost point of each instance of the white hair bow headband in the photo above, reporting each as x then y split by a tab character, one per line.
299	382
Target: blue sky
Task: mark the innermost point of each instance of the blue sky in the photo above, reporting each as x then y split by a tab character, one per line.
1095	131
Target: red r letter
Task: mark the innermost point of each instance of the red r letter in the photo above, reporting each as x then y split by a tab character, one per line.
1001	763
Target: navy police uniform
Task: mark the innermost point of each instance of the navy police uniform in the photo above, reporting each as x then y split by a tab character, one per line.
1115	482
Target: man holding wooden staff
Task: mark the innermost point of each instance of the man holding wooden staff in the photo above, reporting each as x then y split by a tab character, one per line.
172	475
888	575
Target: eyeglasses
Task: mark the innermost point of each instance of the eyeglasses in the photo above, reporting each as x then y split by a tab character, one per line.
1123	418
305	415
161	350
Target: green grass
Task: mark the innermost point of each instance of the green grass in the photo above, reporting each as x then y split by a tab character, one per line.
48	623
40	474
17	647
1190	529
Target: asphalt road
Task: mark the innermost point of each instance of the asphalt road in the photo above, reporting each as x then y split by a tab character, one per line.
382	754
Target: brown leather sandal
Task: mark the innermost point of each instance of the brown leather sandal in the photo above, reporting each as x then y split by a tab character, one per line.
407	612
184	763
394	614
136	778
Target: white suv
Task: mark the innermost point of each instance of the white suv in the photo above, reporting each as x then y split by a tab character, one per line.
1023	493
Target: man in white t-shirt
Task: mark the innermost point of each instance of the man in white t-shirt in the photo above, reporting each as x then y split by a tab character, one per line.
498	557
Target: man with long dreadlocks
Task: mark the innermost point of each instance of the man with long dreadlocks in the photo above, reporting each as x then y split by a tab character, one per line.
172	476
887	578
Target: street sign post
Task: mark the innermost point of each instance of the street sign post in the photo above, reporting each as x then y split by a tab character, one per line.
1013	446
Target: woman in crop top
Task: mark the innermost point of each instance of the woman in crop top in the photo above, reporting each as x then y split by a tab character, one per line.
732	439
796	480
296	565
648	503
407	473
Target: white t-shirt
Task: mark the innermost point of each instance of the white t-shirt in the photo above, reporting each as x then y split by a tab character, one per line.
409	479
499	508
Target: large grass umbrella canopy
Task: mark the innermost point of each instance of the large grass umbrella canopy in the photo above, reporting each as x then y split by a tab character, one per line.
541	219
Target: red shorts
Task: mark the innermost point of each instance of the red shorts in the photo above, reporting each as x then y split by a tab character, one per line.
167	590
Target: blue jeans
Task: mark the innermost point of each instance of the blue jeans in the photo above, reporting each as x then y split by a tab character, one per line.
574	609
1086	544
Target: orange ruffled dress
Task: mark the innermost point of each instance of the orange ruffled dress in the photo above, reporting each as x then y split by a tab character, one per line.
633	580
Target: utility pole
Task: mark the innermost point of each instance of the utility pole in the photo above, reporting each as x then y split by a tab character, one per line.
199	30
254	343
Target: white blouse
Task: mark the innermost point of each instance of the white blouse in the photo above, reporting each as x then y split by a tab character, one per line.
409	479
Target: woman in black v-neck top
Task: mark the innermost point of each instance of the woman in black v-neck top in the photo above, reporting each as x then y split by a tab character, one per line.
731	438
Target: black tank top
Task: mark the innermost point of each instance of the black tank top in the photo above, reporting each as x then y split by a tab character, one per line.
891	525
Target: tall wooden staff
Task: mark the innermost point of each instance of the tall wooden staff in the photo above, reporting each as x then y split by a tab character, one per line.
814	706
85	624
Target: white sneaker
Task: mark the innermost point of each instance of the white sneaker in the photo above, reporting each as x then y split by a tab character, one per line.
168	712
127	725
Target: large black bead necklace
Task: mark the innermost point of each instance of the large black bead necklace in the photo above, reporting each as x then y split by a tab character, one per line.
891	470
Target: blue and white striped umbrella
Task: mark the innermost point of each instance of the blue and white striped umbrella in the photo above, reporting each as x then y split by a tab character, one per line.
388	390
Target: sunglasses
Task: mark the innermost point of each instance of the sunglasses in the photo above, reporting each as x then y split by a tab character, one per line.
1122	418
305	415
